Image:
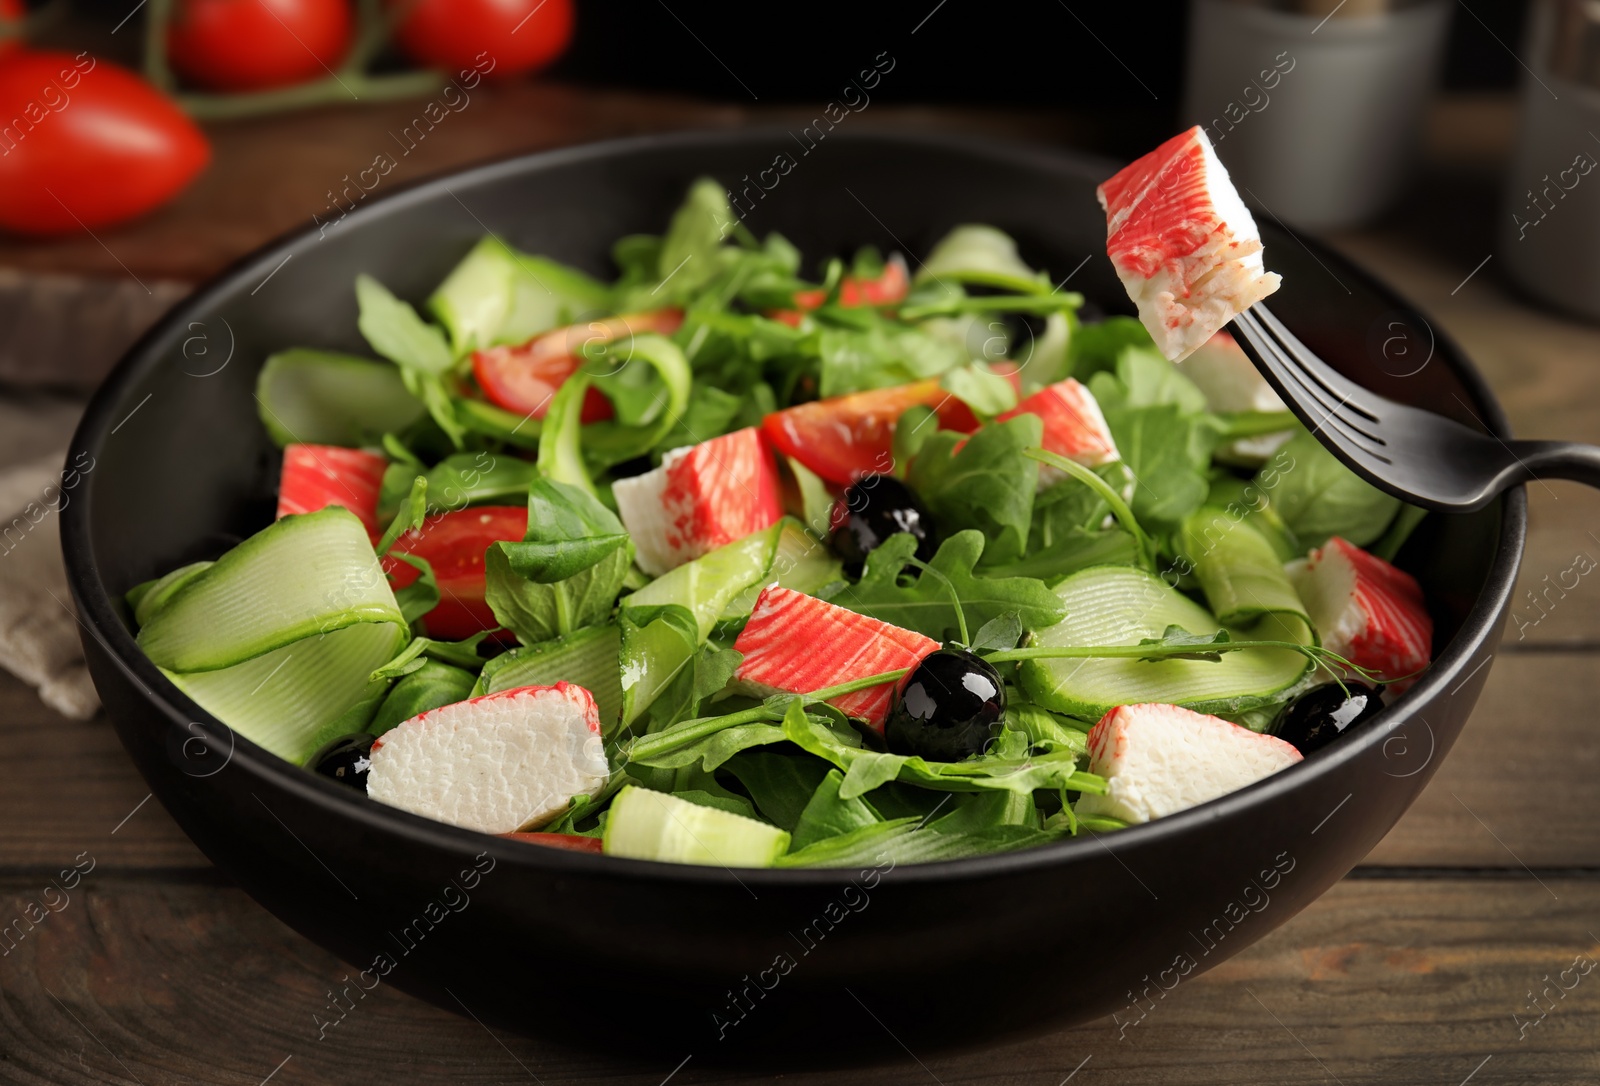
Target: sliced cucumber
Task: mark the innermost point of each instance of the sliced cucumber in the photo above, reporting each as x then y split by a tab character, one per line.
294	699
802	563
647	825
299	577
707	585
590	658
1120	605
475	298
1238	569
546	295
325	398
151	596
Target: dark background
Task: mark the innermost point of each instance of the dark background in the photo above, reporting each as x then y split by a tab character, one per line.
983	52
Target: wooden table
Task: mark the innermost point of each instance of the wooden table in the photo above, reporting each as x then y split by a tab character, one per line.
1427	965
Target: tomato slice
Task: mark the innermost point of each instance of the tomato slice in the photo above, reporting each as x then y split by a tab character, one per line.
890	287
574	842
849	436
524	378
454	544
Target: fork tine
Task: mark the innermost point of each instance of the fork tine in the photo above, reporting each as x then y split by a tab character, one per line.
1304	358
1304	395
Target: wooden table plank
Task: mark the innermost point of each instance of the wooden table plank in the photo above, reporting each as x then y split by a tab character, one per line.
1392	981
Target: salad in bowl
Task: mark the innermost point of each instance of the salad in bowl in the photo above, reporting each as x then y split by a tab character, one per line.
716	563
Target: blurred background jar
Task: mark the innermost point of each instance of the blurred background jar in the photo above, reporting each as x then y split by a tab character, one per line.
1550	227
1315	106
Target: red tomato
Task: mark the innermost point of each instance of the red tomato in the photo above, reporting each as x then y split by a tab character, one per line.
454	544
572	841
87	144
505	37
849	436
523	379
13	12
890	287
243	45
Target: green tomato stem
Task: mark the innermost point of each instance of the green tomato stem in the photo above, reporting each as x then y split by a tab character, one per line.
334	89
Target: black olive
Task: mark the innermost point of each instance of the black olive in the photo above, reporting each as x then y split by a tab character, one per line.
346	759
1319	716
948	708
873	508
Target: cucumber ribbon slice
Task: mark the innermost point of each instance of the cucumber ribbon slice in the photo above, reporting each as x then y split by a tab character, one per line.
280	636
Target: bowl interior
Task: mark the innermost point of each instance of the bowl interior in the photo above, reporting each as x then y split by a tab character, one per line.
183	457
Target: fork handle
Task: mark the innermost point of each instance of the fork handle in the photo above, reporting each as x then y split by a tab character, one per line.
1557	460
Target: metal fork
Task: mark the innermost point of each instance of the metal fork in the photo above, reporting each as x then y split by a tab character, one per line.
1416	455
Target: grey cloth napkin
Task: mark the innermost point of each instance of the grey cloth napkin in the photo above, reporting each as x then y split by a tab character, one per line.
38	628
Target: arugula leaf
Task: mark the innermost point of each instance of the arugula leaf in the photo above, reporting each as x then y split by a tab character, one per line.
711	413
1004	631
464	479
781	783
986	484
431	685
396	332
435	396
981	389
924	603
1318	497
687	258
871	352
1180	638
865	770
462	654
408	518
540	612
421	595
1070	551
1168	453
1045	729
828	815
1095	347
568	531
1145	379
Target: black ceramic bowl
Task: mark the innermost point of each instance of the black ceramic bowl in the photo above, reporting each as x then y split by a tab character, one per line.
794	964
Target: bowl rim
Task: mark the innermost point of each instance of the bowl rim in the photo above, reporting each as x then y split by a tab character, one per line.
99	618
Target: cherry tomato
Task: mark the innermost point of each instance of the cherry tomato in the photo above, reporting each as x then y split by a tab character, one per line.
849	436
523	379
87	144
454	544
890	287
243	45
513	36
12	11
575	842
